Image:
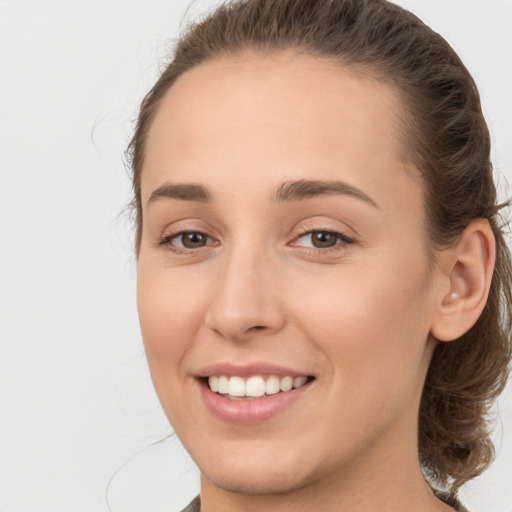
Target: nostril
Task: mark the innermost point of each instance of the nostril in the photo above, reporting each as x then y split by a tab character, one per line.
257	328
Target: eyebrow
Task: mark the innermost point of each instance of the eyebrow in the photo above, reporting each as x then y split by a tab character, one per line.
307	189
289	191
183	191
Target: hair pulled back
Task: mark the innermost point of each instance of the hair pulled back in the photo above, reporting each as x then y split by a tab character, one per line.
447	140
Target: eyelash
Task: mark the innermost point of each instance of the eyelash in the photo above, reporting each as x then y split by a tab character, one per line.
166	241
344	240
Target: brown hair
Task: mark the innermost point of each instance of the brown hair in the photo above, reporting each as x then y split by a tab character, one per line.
446	139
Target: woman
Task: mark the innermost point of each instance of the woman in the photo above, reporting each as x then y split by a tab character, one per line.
323	284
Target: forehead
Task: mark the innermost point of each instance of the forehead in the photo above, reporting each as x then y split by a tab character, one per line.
275	117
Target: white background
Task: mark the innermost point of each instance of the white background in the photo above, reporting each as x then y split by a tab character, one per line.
76	401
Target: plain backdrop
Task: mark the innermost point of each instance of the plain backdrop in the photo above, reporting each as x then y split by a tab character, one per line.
76	402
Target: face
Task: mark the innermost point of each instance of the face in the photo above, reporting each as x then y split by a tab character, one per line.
283	256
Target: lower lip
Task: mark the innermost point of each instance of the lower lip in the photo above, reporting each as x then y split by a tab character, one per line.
250	411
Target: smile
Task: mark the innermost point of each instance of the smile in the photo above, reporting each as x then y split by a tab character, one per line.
252	393
256	386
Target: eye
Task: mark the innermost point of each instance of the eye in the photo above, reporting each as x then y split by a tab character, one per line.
322	239
187	240
191	240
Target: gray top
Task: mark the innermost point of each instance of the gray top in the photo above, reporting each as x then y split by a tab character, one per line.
448	499
195	505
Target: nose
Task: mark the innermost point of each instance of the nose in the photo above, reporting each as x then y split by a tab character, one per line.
246	300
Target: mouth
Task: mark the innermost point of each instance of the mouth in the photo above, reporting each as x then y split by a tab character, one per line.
254	387
251	393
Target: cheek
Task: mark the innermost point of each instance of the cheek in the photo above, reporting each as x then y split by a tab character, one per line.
169	316
371	325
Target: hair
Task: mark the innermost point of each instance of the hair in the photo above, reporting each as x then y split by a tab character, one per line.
446	138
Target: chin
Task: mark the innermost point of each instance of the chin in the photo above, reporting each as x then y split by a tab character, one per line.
245	472
253	482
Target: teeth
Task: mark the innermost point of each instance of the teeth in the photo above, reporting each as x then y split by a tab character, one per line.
214	383
299	381
255	386
286	383
223	385
272	386
236	386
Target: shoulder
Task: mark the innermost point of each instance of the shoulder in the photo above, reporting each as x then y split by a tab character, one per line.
193	506
450	500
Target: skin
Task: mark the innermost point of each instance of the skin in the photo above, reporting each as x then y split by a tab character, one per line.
357	316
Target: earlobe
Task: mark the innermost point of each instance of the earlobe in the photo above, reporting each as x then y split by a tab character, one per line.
468	267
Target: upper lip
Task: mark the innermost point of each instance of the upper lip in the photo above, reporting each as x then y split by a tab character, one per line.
247	370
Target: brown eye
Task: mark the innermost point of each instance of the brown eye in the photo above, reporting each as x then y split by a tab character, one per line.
187	242
323	239
192	240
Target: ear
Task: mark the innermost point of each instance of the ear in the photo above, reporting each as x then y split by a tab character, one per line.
467	270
